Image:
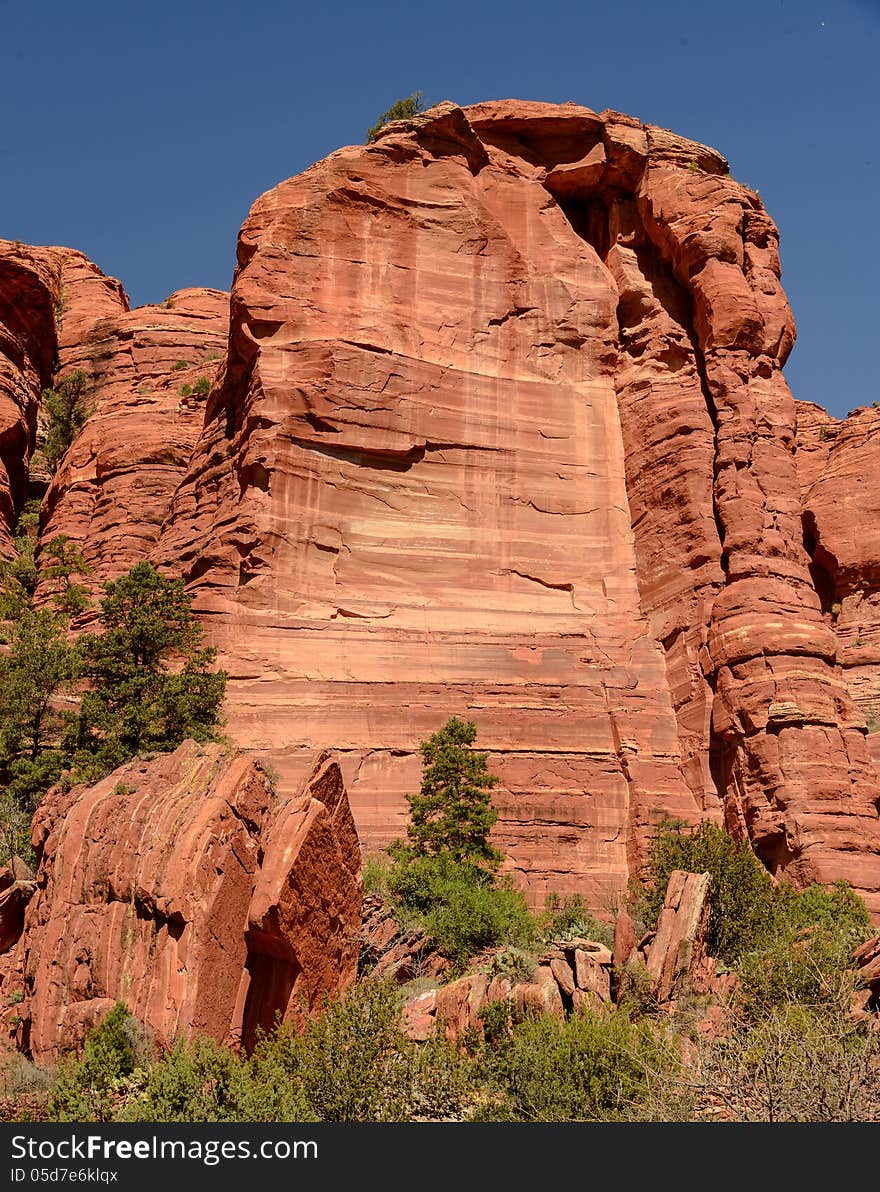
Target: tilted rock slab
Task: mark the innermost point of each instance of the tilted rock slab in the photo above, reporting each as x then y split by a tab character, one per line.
679	945
186	888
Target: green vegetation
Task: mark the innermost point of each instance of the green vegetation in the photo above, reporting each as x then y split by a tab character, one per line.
83	707
444	879
570	918
589	1068
459	906
85	1087
186	390
452	816
352	1063
179	366
785	1056
787	946
202	387
136	699
742	891
68	413
401	109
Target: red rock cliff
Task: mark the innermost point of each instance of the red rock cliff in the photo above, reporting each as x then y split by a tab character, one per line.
502	432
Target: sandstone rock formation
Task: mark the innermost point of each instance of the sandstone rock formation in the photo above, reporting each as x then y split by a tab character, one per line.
29	293
502	432
113	487
837	467
184	887
574	974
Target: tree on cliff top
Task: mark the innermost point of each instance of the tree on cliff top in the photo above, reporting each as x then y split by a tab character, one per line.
150	682
453	815
401	109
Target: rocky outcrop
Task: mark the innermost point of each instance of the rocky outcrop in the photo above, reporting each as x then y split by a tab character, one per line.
580	974
503	432
29	306
679	945
572	975
148	372
184	887
837	463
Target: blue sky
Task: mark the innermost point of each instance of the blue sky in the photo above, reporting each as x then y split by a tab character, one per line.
142	133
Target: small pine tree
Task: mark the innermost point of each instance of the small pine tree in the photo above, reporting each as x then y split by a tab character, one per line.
401	109
150	683
67	412
453	815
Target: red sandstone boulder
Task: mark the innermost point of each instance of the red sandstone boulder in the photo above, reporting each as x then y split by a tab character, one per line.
184	887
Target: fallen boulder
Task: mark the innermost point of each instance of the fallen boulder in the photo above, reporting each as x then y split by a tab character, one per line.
182	886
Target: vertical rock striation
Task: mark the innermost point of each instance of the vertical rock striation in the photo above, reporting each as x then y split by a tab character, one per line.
837	467
29	301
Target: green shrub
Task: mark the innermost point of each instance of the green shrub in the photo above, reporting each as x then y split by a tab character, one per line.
796	1064
806	955
354	1064
375	870
85	1087
570	918
588	1068
459	906
202	387
186	390
203	1081
472	918
516	964
351	1064
742	896
67	412
179	366
401	109
786	945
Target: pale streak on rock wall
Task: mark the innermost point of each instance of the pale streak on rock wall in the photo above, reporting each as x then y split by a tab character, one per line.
502	432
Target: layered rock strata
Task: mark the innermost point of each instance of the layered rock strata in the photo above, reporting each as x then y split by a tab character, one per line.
184	887
503	432
148	372
837	467
29	306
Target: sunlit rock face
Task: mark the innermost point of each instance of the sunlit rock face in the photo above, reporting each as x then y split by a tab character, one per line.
500	431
